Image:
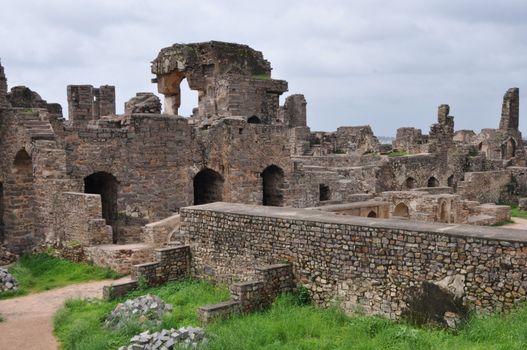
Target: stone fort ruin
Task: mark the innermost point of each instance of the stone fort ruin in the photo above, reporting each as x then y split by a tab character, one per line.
362	222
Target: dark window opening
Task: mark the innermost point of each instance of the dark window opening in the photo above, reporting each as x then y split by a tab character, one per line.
273	186
324	192
432	182
372	214
410	183
254	120
208	187
105	185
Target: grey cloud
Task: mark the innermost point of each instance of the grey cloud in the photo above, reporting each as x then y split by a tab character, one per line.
387	63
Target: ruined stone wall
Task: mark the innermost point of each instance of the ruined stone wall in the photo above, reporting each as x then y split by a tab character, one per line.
368	265
86	103
155	159
81	220
486	187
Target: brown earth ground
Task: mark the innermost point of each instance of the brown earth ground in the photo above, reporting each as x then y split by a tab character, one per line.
28	320
519	224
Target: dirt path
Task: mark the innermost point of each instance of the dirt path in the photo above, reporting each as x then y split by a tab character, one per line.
519	224
28	320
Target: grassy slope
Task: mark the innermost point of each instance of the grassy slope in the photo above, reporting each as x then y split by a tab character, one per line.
288	325
40	272
79	324
517	213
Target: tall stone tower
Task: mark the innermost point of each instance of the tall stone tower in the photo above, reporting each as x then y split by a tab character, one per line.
510	110
3	87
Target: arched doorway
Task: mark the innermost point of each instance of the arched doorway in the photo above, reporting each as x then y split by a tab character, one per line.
401	210
372	214
208	187
432	182
19	213
410	183
273	186
105	185
254	120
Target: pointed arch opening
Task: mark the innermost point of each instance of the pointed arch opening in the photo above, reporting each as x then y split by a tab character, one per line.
105	185
432	182
372	214
508	149
401	210
410	183
273	186
208	187
254	120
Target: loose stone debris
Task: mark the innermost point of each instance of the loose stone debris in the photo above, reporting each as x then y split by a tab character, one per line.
147	309
7	281
182	338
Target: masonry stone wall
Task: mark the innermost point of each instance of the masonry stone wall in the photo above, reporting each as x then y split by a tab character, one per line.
368	265
81	220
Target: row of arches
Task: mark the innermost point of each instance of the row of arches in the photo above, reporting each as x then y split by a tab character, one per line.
432	181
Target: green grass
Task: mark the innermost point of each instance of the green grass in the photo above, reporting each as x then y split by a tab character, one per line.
397	153
517	213
288	325
40	272
79	325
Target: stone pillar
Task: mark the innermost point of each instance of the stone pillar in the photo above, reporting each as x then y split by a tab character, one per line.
442	113
80	103
106	100
295	111
510	110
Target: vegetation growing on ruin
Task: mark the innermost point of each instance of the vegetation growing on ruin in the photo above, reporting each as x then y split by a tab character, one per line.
289	324
79	325
40	272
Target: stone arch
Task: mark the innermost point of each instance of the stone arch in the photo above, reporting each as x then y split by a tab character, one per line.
254	120
372	214
208	187
105	185
19	222
401	210
410	183
273	186
324	192
432	182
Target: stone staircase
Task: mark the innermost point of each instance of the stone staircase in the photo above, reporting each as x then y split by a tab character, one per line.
37	127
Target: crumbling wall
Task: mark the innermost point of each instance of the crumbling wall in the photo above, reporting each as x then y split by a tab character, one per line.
86	103
362	265
81	219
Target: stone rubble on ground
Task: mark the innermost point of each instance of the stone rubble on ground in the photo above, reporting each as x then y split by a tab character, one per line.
146	308
6	257
7	281
167	339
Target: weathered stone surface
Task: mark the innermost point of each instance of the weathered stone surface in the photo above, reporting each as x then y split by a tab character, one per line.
7	281
143	102
182	338
148	310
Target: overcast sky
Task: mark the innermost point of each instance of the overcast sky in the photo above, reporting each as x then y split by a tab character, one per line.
384	63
